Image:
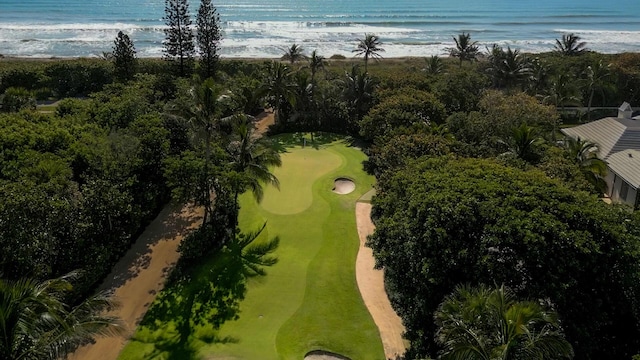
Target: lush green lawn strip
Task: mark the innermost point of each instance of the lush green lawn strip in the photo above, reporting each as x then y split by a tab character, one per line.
309	300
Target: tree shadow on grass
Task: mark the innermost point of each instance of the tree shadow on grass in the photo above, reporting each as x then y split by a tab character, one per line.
202	297
316	140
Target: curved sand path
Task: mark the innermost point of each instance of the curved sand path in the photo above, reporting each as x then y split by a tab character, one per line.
140	275
371	285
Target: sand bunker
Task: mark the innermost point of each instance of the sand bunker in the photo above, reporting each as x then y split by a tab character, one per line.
324	355
343	186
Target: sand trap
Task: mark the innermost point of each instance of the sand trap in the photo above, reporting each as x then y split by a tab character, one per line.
343	186
324	355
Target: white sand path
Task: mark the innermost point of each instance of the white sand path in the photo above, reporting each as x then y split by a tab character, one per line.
371	284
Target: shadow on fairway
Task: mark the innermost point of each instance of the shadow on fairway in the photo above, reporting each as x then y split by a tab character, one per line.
284	142
201	297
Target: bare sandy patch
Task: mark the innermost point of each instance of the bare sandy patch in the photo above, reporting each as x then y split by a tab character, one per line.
371	285
343	186
140	275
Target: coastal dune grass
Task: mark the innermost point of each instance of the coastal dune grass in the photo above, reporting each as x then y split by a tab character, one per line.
309	300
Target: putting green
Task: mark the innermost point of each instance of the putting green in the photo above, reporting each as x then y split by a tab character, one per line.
309	300
303	168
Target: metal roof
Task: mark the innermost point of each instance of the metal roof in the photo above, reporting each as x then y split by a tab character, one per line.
611	134
627	165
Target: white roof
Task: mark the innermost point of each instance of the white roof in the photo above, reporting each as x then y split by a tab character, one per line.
610	134
625	107
627	165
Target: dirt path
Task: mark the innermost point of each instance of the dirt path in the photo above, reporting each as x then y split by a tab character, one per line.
371	284
140	275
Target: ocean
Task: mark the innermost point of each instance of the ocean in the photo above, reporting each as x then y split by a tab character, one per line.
263	28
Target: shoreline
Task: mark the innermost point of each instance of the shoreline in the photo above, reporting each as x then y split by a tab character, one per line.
483	54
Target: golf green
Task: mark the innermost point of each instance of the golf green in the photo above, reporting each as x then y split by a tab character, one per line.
309	300
303	168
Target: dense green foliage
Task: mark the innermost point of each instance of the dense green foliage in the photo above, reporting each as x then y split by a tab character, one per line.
37	324
446	221
78	183
481	323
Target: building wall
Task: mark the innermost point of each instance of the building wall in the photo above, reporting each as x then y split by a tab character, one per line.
617	187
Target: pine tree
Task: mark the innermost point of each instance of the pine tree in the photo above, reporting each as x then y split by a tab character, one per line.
124	57
208	37
179	48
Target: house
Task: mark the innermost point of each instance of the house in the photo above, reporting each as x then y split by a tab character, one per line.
618	140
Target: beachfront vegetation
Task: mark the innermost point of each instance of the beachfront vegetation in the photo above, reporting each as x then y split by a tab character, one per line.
465	50
208	37
369	47
179	47
124	58
462	197
570	45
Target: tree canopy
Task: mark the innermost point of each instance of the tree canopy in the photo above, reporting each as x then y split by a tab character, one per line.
441	222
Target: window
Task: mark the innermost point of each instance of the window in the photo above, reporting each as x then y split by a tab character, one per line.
624	190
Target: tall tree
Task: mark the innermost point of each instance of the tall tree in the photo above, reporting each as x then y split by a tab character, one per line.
316	63
208	37
279	89
482	324
293	53
570	45
35	322
179	48
369	47
357	91
465	50
124	57
201	109
508	68
598	79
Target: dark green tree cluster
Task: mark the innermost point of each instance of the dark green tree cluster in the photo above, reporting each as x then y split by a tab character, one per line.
78	185
442	222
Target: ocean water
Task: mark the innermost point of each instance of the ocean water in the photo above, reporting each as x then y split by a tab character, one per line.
263	28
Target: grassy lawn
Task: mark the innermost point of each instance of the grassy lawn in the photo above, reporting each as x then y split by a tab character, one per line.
309	300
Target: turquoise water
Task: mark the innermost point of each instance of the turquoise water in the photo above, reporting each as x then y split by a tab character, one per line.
262	28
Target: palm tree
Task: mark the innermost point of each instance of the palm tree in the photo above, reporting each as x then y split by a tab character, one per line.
35	323
539	79
465	48
202	110
570	45
358	89
490	324
316	63
435	65
563	91
369	47
293	54
279	87
252	156
584	154
523	143
598	78
508	68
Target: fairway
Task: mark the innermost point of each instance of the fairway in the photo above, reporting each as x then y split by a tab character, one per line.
309	300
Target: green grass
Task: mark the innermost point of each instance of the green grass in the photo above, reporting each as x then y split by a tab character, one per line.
309	300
